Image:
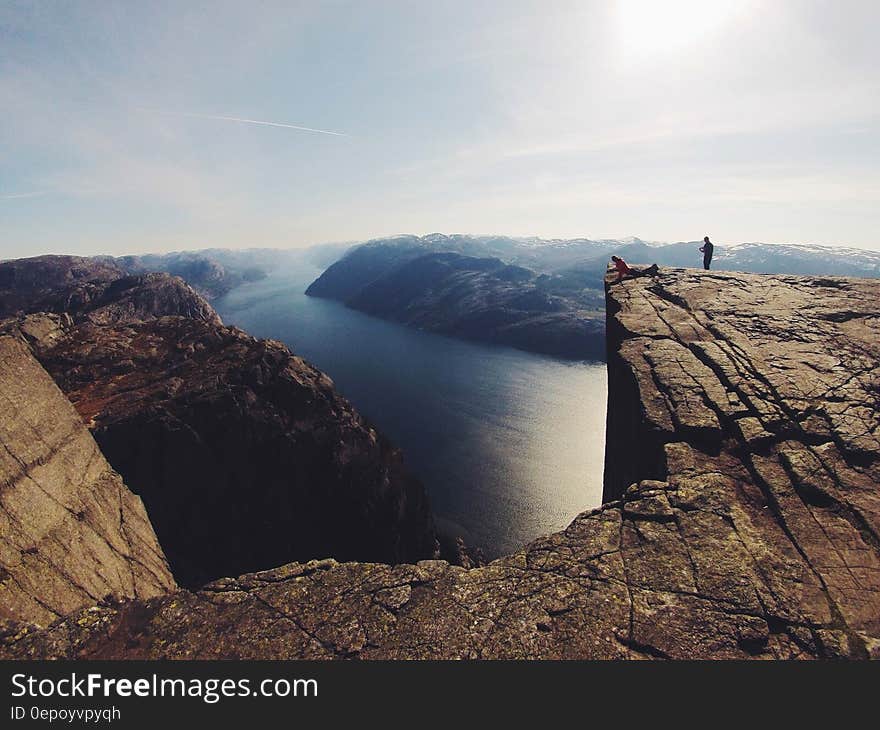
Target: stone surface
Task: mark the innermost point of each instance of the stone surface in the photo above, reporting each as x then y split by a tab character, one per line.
749	531
759	402
72	533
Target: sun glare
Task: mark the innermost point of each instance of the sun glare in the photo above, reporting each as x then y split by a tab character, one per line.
653	26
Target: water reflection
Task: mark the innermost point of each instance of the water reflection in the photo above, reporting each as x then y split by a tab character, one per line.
509	444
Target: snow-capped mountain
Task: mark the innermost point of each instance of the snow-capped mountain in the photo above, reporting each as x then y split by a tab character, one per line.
583	254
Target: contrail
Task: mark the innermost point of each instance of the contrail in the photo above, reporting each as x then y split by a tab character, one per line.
250	121
15	196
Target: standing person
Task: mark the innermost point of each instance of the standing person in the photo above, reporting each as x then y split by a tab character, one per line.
707	248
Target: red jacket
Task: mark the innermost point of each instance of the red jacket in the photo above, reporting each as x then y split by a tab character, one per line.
621	267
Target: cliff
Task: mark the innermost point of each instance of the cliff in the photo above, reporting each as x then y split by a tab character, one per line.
244	455
201	270
94	290
750	529
52	283
468	297
72	533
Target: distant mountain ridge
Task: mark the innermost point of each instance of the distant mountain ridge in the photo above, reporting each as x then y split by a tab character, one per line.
214	272
462	285
554	255
557	308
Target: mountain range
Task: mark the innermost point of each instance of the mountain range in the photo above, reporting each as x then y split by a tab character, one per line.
539	295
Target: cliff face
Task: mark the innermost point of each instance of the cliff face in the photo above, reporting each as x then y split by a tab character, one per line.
751	533
754	366
201	270
245	455
95	290
53	284
72	533
759	399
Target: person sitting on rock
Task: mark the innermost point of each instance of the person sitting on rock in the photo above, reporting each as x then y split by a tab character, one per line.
624	270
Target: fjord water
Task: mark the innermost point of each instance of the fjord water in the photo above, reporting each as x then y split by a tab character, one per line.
510	445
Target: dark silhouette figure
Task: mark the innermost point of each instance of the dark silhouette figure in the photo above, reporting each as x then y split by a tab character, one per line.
708	249
624	270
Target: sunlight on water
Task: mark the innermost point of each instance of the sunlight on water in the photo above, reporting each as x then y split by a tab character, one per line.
510	445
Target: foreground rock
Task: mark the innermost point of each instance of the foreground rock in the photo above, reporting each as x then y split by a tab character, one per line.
472	298
748	529
72	533
757	406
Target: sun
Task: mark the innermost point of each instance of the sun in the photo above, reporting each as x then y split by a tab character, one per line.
653	26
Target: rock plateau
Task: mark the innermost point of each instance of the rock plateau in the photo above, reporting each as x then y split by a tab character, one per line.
741	519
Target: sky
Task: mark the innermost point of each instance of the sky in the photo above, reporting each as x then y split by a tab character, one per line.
129	127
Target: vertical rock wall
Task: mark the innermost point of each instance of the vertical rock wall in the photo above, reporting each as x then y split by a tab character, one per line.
72	533
633	443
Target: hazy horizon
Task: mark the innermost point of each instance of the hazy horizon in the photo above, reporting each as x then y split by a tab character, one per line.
256	247
130	128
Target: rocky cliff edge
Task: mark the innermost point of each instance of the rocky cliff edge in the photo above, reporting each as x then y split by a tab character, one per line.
245	455
742	520
72	533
